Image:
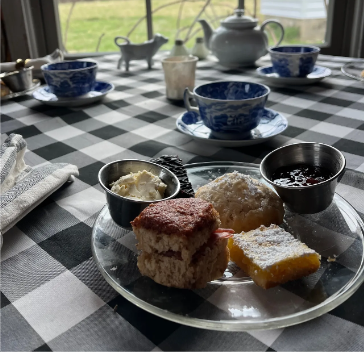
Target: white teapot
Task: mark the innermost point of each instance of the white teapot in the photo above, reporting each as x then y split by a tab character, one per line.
238	42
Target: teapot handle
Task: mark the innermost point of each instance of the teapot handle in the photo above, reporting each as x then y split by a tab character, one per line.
280	26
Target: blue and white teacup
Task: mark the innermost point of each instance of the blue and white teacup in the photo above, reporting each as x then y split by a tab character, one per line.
293	60
230	109
70	78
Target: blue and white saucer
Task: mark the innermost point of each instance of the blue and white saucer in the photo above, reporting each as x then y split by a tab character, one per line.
318	74
271	124
100	90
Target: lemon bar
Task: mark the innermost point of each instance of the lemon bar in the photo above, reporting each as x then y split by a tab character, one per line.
272	256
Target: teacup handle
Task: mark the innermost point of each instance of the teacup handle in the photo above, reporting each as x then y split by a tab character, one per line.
279	24
186	96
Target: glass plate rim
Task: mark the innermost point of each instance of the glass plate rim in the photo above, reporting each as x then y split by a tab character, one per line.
247	325
344	67
36	84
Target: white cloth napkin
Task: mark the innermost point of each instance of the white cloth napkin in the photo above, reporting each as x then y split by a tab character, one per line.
24	187
56	56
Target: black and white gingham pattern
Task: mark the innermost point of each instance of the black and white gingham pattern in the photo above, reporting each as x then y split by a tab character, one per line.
52	295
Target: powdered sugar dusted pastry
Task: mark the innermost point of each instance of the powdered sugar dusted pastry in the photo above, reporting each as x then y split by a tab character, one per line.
243	203
272	256
181	244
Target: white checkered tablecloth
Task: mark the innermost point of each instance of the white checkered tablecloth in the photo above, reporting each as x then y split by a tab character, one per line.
52	295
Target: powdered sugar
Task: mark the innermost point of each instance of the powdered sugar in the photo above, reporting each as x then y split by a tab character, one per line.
235	176
244	192
242	201
267	246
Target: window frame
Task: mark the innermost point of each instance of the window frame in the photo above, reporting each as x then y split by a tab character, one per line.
37	28
345	21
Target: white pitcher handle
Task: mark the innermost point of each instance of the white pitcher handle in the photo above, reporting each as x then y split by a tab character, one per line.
280	26
186	97
116	40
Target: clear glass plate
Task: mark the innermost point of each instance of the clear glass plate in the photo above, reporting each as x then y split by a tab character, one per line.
36	83
234	302
354	70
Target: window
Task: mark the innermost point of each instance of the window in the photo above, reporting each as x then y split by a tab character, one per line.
305	21
86	27
97	22
89	26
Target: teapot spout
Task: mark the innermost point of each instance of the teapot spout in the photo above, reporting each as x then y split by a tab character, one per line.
207	31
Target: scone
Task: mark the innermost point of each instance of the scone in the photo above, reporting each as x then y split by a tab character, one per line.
242	202
180	242
272	256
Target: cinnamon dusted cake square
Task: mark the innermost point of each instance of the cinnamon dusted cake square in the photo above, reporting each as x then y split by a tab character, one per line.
180	243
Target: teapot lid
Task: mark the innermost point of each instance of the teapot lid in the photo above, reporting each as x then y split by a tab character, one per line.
239	21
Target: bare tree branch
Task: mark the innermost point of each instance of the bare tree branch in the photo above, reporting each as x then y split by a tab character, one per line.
179	17
196	19
154	11
212	22
180	30
209	16
199	29
216	18
212	7
99	42
194	33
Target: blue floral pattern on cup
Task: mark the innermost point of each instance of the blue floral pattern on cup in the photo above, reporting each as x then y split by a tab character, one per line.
229	107
70	78
293	61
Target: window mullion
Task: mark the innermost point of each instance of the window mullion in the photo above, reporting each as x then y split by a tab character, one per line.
357	38
148	7
51	25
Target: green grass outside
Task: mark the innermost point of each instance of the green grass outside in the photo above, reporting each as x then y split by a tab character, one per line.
91	19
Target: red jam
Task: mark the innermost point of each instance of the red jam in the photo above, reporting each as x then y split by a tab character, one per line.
300	175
